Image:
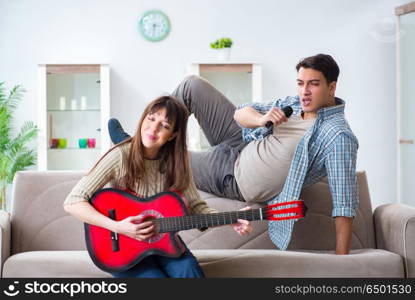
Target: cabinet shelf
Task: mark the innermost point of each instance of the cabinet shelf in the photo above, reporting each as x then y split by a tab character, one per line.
71	149
73	110
240	82
88	86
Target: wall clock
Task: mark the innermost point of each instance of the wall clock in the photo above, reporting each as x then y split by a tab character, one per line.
154	25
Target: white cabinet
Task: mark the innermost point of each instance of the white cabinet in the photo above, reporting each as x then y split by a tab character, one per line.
405	105
73	115
240	82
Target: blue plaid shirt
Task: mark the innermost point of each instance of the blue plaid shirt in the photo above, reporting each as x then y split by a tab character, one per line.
328	148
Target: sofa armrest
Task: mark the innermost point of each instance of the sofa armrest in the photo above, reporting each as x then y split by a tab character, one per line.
395	232
5	235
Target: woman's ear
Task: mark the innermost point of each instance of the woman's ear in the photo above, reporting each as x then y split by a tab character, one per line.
172	137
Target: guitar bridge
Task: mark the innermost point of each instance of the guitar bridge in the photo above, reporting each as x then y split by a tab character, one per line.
114	235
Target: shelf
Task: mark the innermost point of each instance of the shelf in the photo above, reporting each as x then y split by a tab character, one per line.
71	149
74	82
239	81
225	68
72	110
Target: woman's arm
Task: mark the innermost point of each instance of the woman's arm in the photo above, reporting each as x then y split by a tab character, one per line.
131	226
77	203
106	170
85	212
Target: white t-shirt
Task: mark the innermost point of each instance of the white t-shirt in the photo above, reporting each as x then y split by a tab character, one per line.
262	166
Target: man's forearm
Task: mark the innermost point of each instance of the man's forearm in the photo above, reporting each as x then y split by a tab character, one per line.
248	117
343	234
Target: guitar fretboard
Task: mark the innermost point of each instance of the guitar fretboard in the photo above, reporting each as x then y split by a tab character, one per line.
208	220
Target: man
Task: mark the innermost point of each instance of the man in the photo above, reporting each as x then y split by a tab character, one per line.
274	163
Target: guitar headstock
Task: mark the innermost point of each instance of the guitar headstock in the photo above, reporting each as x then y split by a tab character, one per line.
286	210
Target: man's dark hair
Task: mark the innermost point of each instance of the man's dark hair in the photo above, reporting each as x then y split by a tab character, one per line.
323	63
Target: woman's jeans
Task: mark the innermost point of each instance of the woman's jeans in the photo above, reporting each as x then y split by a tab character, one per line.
157	266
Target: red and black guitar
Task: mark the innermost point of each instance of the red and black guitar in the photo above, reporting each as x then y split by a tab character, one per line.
115	253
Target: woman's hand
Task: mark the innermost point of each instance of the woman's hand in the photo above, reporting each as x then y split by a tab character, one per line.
133	227
243	226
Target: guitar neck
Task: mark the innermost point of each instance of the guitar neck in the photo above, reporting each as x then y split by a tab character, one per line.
208	220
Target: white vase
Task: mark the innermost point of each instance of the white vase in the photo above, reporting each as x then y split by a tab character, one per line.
224	54
62	103
83	103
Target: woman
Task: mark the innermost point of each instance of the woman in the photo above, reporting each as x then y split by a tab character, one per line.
155	159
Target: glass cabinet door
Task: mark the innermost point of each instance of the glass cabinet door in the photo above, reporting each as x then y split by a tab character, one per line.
234	81
239	82
406	125
74	117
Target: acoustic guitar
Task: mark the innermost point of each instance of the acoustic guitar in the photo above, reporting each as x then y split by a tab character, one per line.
114	252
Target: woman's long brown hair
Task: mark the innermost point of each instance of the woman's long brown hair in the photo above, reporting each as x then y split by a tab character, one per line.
173	155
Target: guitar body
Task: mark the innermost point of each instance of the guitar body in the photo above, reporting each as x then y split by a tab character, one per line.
113	252
129	251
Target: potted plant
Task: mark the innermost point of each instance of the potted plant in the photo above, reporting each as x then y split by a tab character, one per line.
223	45
15	154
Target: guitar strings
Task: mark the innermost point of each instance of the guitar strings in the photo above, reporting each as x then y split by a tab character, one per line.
222	218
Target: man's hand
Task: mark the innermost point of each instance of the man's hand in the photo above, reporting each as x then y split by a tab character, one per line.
250	118
274	115
343	234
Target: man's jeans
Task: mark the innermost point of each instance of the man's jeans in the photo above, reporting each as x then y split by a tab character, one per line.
213	170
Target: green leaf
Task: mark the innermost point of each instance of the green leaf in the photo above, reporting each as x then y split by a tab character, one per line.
27	133
14	97
21	161
2	94
14	154
221	43
5	119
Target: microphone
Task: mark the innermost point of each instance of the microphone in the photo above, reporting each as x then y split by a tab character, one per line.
288	111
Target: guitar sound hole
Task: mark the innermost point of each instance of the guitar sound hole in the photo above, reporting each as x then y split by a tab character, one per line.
156	224
150	215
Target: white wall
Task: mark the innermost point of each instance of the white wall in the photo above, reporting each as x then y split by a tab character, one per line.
274	32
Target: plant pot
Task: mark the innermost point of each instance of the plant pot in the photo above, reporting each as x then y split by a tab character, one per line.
224	54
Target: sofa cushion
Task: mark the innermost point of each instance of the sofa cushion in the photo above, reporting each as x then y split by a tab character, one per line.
228	263
224	237
274	263
52	264
316	231
38	219
38	198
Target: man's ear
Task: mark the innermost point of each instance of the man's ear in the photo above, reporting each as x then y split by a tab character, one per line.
332	88
172	137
